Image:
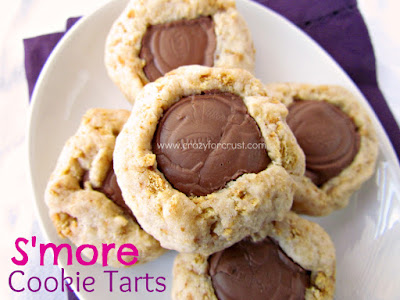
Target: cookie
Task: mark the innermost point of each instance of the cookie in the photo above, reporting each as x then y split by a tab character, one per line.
153	37
289	259
339	142
83	197
205	158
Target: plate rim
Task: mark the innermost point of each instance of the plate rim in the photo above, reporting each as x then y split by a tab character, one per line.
35	98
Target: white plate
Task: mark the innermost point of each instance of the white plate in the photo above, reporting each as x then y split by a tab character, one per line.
366	233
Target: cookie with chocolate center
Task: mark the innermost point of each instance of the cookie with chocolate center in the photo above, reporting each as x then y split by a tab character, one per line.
338	140
83	195
274	264
153	37
209	155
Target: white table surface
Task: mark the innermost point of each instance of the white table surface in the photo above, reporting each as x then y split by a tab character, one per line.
21	19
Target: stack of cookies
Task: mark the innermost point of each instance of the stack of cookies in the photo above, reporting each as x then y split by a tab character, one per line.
210	162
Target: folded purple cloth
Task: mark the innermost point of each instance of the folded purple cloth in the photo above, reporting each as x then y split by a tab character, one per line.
37	50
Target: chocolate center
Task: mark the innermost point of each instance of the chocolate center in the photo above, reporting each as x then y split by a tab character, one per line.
204	141
249	270
185	42
328	137
111	189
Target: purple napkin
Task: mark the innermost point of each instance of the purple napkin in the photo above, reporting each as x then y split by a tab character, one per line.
37	50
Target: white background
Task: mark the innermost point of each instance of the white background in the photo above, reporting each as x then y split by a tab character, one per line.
27	18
